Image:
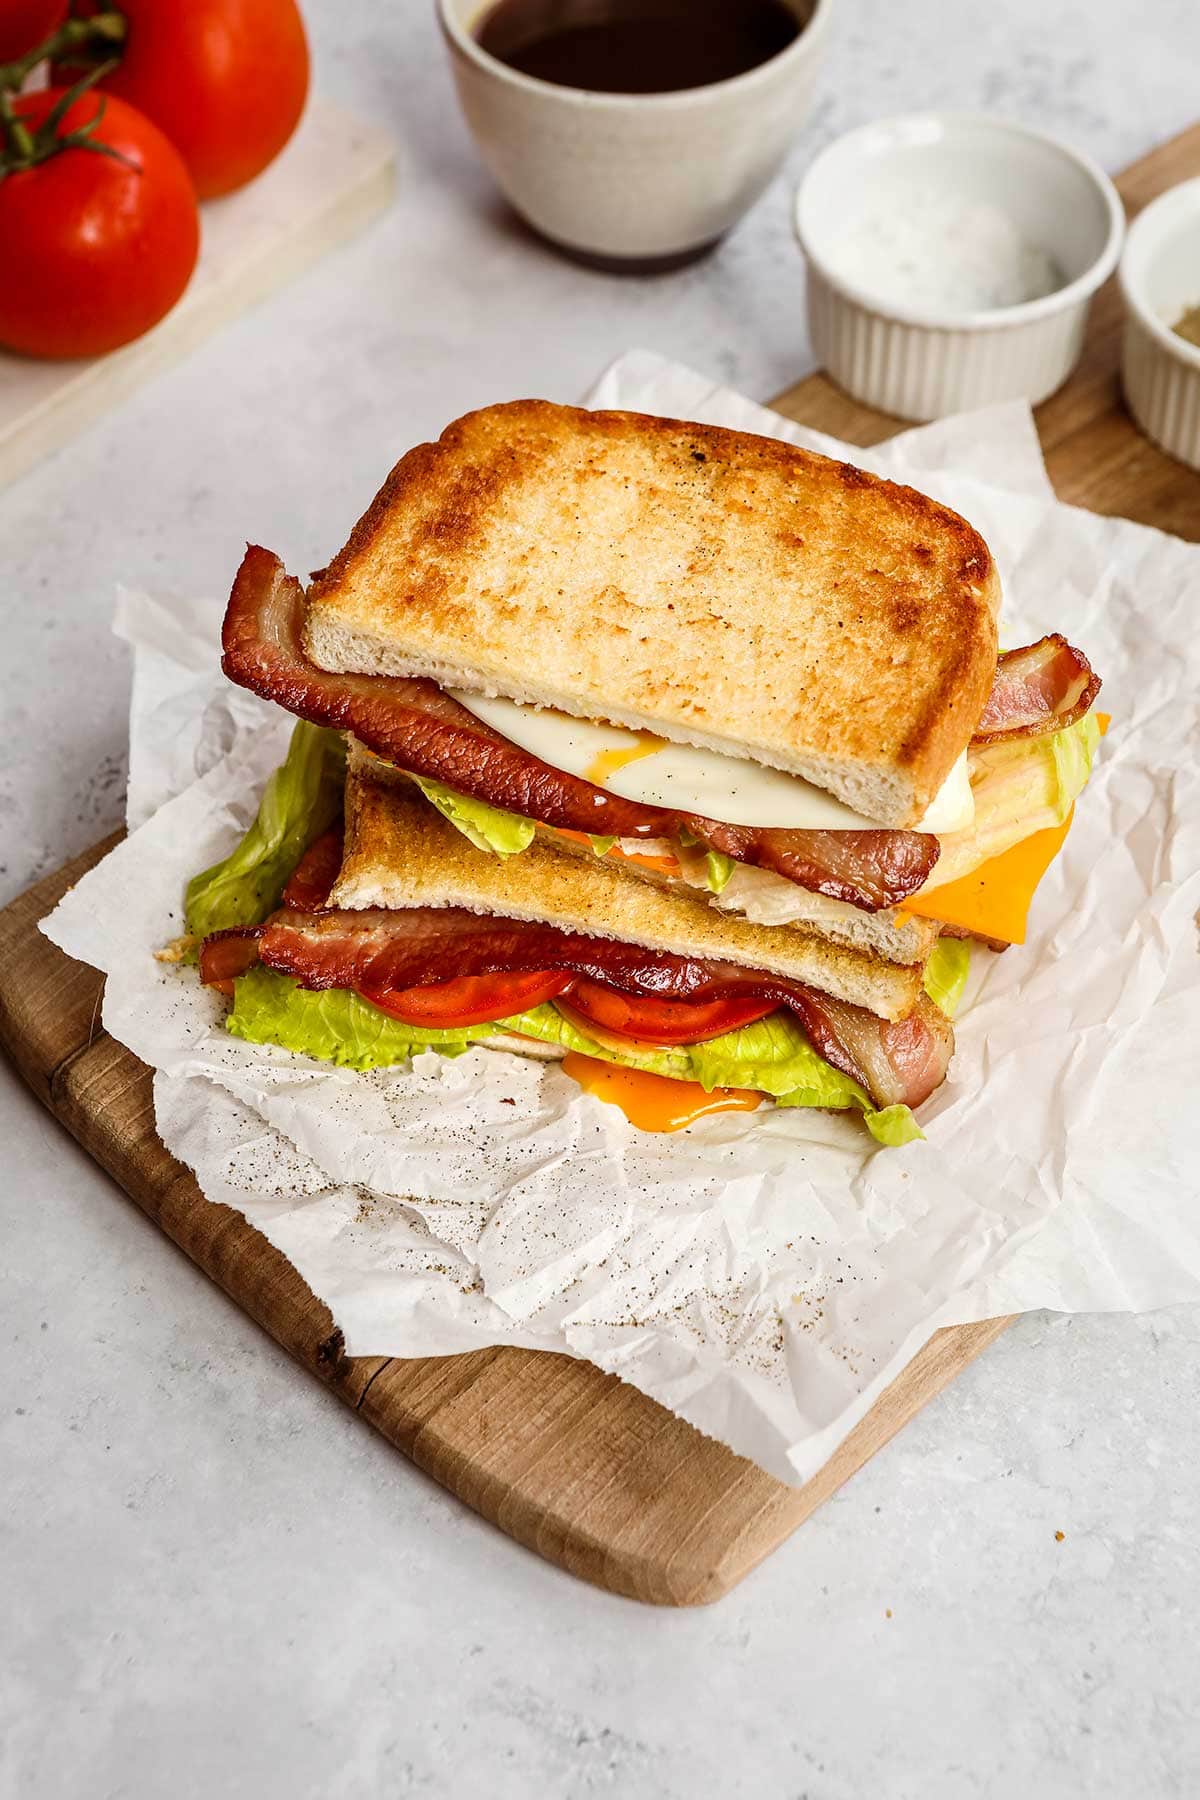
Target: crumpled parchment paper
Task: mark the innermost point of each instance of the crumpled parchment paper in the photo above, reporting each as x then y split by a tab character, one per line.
763	1275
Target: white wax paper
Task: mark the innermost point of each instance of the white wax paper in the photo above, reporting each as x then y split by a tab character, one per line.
763	1275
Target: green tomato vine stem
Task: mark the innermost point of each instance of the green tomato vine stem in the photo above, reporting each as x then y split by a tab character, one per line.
22	148
103	33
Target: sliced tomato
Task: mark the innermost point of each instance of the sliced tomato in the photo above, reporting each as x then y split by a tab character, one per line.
314	875
663	1021
472	1000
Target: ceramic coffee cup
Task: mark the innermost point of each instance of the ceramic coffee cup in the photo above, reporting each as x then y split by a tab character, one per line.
633	181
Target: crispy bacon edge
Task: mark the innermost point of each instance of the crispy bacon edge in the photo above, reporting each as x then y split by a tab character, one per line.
1041	688
224	955
902	1061
421	729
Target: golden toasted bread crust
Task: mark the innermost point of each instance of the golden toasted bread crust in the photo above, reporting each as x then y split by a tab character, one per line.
401	852
721	588
890	934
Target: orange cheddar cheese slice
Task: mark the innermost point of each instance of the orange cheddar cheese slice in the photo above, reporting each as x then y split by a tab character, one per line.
994	899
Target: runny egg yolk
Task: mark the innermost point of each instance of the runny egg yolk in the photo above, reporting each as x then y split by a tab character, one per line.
654	1102
606	762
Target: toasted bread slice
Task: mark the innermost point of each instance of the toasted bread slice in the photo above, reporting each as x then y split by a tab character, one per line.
892	934
401	852
717	588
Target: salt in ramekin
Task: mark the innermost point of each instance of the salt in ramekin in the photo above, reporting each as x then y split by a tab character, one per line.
922	362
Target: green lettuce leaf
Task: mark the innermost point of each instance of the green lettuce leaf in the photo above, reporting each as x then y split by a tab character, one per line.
487	827
772	1056
1019	788
946	973
301	800
335	1025
893	1126
1074	751
720	867
490	827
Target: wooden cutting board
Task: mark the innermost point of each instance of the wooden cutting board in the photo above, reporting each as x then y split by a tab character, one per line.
571	1462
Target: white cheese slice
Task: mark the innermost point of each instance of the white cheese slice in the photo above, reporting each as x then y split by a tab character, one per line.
953	806
637	766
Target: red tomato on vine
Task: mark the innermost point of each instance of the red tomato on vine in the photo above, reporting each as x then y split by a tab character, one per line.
24	24
226	80
96	243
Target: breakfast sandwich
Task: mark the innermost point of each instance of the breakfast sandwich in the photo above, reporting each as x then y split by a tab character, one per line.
671	748
395	934
708	659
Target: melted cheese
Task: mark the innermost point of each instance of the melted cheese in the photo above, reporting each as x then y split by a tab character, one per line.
654	1102
637	765
994	899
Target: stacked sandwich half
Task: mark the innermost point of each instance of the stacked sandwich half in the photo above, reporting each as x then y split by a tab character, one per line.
678	751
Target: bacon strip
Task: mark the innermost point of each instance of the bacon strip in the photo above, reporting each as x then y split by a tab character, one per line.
1044	687
312	879
419	728
870	869
419	946
225	955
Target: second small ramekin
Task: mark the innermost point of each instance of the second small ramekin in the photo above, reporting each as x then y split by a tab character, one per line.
1160	281
921	363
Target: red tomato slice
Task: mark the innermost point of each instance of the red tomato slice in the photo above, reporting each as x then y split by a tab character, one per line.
313	876
664	1021
472	1000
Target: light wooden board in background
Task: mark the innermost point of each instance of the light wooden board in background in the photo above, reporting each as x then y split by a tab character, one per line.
334	176
570	1462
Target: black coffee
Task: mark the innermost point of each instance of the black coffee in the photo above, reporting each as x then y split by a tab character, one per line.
627	47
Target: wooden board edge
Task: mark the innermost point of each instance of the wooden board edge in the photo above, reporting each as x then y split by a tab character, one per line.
1095	454
758	1512
430	1408
49	1003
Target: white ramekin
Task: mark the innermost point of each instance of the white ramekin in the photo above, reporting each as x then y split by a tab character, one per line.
922	364
633	180
1160	281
